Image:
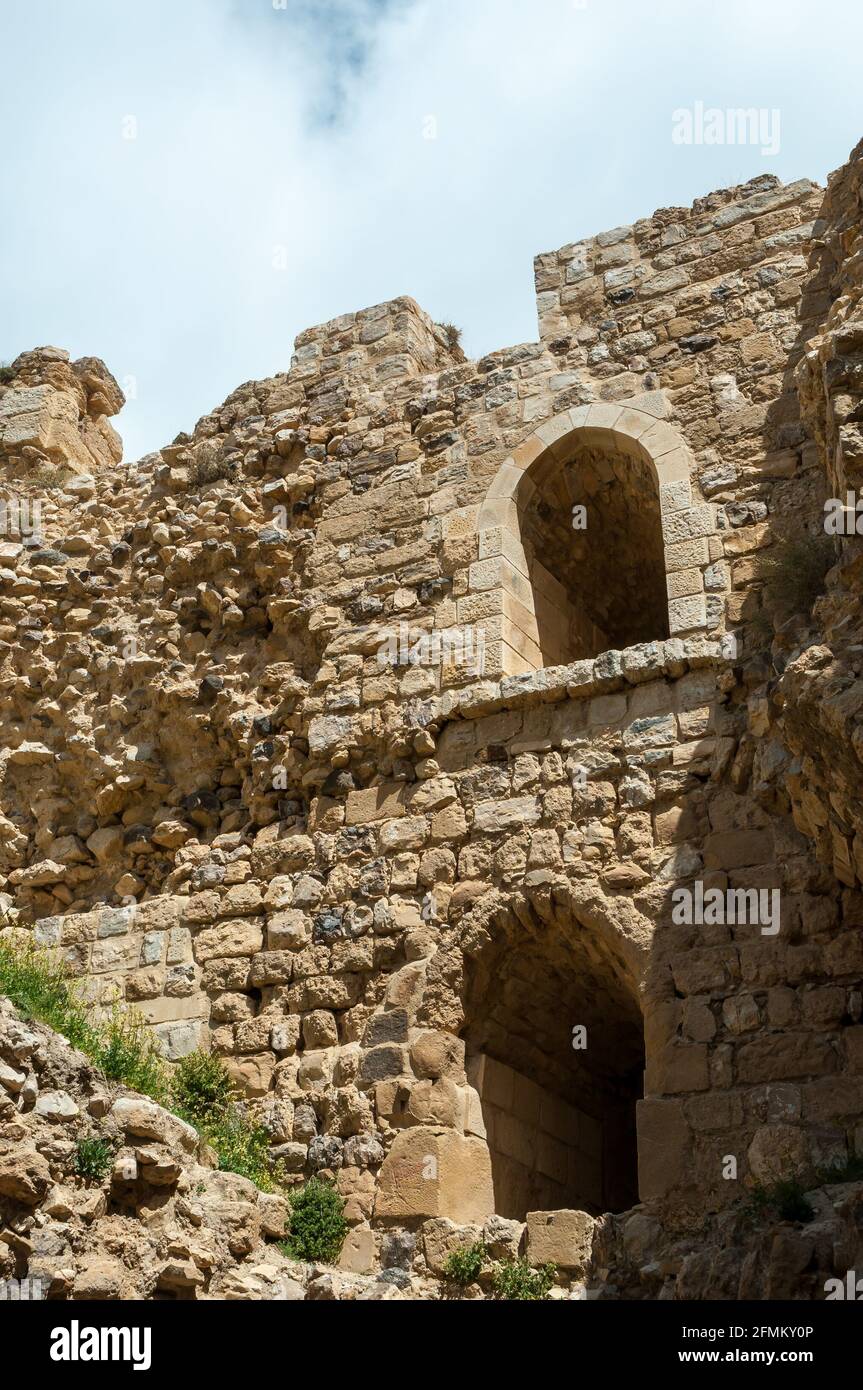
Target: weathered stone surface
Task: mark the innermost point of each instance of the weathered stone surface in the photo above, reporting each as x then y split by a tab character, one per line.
418	765
562	1238
430	1171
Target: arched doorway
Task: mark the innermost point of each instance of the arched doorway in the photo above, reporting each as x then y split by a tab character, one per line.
555	1050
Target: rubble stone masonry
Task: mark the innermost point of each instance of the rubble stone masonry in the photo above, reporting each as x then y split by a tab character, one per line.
419	894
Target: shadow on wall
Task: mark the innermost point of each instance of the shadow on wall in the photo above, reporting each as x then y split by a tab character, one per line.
555	1052
592	537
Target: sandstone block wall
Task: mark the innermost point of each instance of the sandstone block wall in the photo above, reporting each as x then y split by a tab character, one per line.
141	956
54	421
347	868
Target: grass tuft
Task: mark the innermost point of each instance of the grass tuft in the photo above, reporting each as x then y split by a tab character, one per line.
93	1158
199	1089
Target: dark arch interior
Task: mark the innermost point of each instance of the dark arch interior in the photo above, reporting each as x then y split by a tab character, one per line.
601	586
559	1120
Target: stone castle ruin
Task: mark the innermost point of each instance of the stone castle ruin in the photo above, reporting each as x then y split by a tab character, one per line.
423	734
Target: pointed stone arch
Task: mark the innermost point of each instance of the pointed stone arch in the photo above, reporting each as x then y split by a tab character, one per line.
506	573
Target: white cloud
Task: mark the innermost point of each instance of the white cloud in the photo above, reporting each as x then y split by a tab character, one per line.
303	128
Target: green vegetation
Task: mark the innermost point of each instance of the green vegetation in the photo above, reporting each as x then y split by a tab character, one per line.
41	989
515	1280
93	1158
244	1147
849	1171
463	1265
202	1093
199	1089
317	1224
209	468
6	374
127	1052
794	571
785	1199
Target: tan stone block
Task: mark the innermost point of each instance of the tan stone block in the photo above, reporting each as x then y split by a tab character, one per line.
441	1237
744	539
376	803
359	1251
448	825
528	452
555	429
171	1010
498	511
498	541
508	477
240	937
460	522
552	1158
680	1067
685	582
684	614
663	1147
252	1075
434	1054
735	849
432	1172
693	523
687	554
785	1057
633	423
563	1238
778	1153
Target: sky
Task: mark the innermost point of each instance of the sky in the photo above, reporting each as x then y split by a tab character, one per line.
185	185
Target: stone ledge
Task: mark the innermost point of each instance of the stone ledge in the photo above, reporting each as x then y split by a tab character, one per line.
610	671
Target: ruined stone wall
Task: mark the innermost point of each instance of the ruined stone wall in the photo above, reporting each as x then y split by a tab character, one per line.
238	793
54	417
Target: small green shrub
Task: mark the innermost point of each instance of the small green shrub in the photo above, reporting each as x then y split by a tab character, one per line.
39	986
93	1158
515	1280
785	1199
209	468
201	1088
849	1171
317	1224
463	1266
243	1147
795	570
128	1052
6	374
